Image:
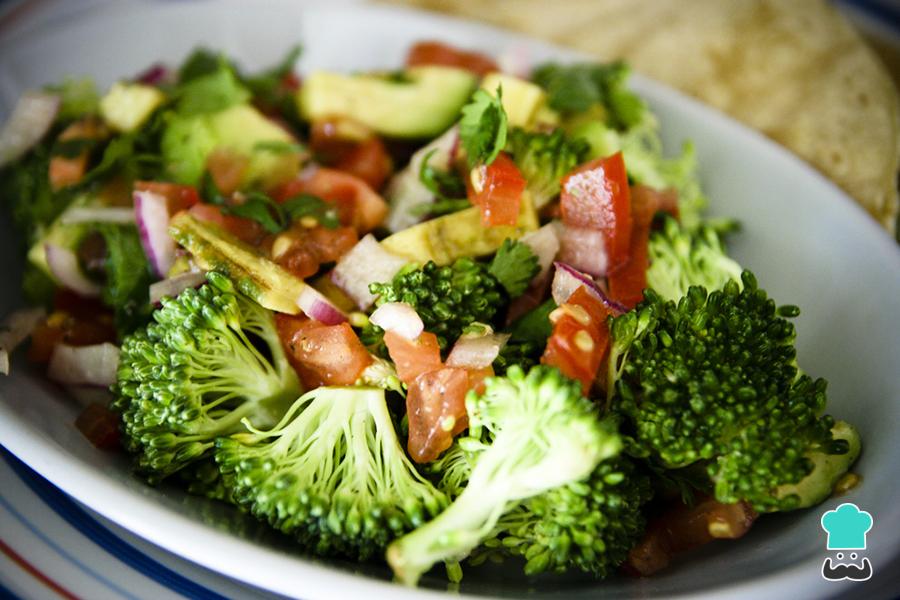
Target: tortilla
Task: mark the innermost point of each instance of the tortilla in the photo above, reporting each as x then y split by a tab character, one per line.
797	71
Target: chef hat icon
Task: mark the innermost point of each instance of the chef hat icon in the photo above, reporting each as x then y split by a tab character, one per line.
847	527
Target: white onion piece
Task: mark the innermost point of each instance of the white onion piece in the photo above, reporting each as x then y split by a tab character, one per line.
151	212
545	244
30	120
367	262
406	190
96	214
173	286
584	249
399	317
16	327
318	307
476	352
84	365
65	269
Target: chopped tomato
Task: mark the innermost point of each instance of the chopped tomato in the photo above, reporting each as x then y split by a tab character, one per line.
322	354
413	357
498	191
627	284
369	161
227	168
580	338
75	321
436	408
303	250
68	170
436	53
178	197
247	230
477	377
358	205
100	426
290	81
596	196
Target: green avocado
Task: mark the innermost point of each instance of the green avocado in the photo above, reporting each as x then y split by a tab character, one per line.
827	469
188	140
421	102
60	233
253	274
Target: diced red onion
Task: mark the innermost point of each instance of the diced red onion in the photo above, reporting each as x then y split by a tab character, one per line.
318	307
367	262
98	214
476	352
151	213
399	317
65	269
584	249
155	75
406	190
545	244
173	286
567	279
16	327
30	120
84	365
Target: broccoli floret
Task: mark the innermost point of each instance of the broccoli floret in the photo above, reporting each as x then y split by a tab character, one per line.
450	298
713	380
332	474
210	358
529	433
588	525
681	258
544	159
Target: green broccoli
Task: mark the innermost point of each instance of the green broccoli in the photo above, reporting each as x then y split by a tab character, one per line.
681	258
332	473
544	159
529	434
713	380
450	298
210	358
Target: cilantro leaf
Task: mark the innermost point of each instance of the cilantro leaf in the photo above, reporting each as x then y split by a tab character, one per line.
482	128
200	62
514	266
578	87
128	277
262	209
445	185
211	92
307	205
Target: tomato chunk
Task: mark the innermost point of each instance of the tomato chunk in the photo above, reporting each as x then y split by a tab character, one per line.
436	407
580	338
100	426
69	169
627	284
322	354
596	196
302	250
178	197
413	357
227	168
436	53
498	191
351	147
358	205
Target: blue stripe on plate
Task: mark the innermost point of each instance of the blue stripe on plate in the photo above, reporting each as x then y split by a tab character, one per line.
59	549
886	13
5	592
103	537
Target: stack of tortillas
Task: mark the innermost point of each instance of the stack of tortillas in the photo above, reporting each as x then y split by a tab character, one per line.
794	69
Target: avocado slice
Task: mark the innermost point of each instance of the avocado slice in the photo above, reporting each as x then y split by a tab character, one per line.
421	102
827	469
522	100
459	234
127	106
252	273
188	140
60	233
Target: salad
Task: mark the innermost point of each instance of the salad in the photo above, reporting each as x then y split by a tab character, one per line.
442	314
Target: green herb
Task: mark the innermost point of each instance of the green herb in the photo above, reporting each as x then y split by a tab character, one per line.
262	209
269	90
211	92
209	191
482	128
514	266
275	217
78	98
37	286
576	88
128	277
201	62
445	185
440	207
307	205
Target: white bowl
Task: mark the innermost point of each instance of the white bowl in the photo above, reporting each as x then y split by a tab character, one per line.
808	243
